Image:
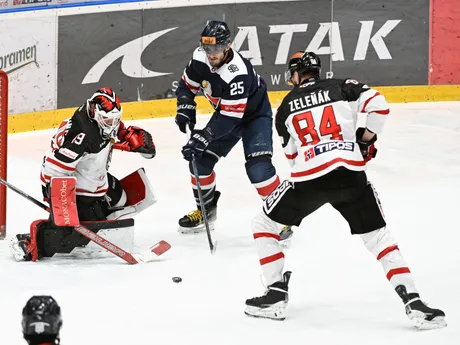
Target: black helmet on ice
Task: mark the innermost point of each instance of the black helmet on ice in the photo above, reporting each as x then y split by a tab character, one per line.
41	320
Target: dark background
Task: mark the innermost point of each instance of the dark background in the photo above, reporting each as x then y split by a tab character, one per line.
85	39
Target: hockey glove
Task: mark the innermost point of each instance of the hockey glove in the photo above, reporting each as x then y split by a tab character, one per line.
186	113
367	148
136	139
197	144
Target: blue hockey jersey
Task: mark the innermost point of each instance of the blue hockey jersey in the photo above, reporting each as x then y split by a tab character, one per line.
235	90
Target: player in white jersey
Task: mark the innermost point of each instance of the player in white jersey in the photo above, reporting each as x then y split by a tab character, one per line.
317	124
82	147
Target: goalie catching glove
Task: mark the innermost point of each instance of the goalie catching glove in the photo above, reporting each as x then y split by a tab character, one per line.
136	139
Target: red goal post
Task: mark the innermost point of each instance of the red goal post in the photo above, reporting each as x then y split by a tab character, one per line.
3	148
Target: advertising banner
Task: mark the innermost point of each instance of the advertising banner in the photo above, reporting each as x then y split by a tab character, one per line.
38	4
142	53
28	56
444	66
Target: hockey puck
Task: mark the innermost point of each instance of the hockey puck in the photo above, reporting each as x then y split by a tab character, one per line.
176	279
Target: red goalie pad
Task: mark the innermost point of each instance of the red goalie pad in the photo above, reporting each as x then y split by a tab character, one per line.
64	201
134	186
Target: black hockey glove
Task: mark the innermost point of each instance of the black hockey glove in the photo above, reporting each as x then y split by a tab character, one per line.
186	113
197	144
367	148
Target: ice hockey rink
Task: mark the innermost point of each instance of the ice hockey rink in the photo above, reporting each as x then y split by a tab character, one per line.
338	291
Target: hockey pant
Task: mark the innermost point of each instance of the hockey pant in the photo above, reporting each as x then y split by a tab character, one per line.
349	193
256	135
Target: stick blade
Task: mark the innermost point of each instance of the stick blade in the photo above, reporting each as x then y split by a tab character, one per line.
153	252
160	248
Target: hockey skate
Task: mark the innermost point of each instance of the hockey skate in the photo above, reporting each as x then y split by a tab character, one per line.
423	316
273	303
192	223
286	236
20	247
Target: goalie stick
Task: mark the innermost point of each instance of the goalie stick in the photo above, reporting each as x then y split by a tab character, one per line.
144	256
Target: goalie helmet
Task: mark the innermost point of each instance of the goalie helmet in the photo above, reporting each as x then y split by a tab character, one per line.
302	63
215	37
41	320
104	107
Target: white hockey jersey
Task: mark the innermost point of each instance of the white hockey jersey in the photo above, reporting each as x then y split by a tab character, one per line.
78	149
317	123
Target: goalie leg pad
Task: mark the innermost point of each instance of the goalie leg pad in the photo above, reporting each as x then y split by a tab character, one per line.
139	195
120	232
46	239
28	247
63	201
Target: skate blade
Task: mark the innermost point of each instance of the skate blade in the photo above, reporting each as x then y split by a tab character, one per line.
422	324
286	243
273	313
195	230
286	238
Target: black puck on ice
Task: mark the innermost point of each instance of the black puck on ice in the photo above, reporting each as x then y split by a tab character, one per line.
176	279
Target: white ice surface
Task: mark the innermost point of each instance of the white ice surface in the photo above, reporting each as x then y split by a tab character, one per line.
338	292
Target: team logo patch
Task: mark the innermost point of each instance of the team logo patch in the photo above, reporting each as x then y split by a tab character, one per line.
233	68
275	196
206	88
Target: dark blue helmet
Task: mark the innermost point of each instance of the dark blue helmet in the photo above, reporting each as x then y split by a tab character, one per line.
215	34
41	319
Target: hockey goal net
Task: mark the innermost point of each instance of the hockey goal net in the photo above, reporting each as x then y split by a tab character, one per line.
3	148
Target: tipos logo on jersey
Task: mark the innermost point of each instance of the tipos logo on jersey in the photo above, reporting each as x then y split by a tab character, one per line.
327	147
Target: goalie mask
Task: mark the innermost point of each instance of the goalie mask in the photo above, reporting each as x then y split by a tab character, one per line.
104	107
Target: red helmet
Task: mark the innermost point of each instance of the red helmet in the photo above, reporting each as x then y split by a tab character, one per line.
104	107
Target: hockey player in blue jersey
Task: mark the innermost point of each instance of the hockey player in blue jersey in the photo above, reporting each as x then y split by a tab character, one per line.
242	111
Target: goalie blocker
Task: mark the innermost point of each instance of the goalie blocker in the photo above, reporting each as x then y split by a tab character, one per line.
57	235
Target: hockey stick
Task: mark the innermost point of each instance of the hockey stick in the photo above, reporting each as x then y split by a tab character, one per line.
212	245
27	196
157	249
